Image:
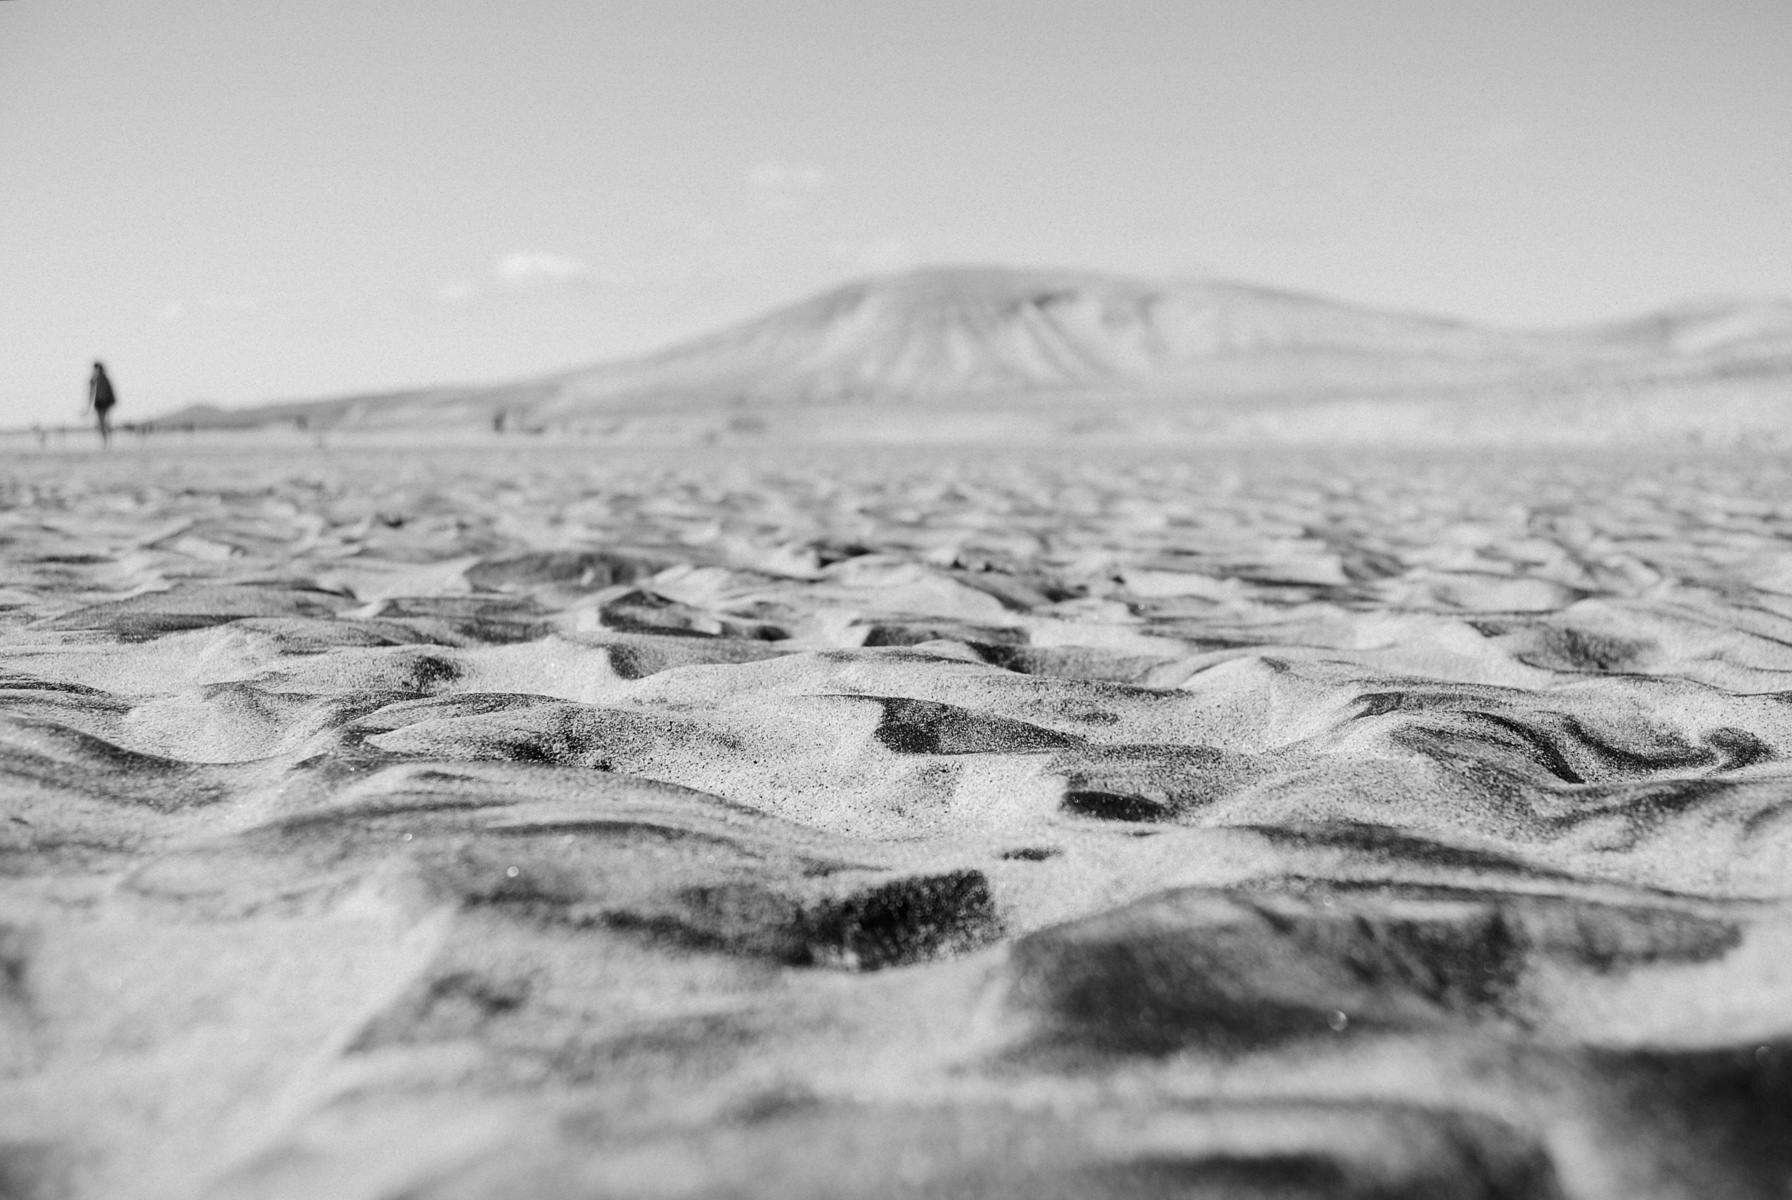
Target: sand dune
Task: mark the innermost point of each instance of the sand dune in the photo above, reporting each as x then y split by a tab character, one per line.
519	821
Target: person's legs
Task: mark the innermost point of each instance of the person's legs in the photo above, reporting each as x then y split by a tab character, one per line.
105	415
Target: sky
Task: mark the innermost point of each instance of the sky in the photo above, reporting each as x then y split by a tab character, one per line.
234	203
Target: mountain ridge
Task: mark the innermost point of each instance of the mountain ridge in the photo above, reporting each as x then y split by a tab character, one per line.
969	332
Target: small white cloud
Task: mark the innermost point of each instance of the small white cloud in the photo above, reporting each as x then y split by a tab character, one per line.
783	185
458	292
530	269
799	177
216	302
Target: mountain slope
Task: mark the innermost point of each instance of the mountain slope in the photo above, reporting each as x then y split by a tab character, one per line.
990	332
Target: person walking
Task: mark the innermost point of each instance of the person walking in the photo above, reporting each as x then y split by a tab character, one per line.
101	398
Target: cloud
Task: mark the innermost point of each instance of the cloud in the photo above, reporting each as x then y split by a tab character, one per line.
802	176
526	268
216	302
784	185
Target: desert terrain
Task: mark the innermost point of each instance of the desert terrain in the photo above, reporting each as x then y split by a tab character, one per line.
1124	807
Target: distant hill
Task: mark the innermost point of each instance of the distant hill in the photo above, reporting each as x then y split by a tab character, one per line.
995	335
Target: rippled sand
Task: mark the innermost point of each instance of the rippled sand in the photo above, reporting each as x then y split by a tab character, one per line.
584	823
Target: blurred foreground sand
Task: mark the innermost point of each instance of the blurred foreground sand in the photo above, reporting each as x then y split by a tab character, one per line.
532	820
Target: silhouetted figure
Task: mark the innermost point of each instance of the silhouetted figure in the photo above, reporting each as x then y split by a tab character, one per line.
101	398
498	421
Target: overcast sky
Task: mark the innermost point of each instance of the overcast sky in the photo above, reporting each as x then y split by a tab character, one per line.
235	201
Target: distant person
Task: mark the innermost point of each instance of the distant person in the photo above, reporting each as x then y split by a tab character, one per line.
101	398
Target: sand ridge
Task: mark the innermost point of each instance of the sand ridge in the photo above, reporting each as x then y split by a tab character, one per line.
533	821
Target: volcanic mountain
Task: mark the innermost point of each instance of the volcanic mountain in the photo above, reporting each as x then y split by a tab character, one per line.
971	333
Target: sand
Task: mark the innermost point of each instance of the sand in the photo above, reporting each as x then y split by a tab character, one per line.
544	820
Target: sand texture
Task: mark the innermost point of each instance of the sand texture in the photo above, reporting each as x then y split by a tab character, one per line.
527	820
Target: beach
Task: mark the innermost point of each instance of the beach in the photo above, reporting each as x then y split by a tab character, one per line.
525	818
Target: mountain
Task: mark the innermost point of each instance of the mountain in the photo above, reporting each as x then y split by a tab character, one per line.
995	334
